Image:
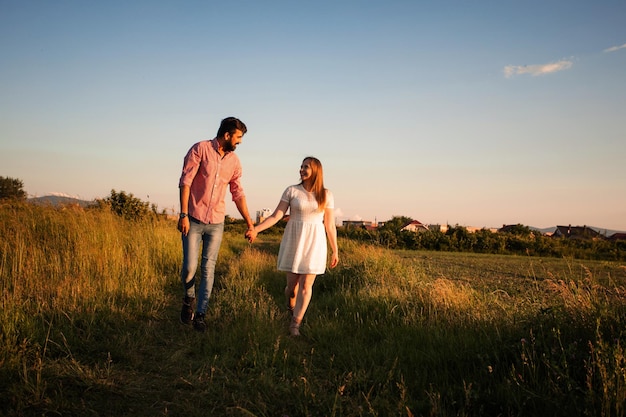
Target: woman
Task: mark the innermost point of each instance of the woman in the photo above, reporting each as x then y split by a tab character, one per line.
303	249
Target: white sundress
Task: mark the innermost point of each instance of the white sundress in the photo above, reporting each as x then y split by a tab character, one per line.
303	248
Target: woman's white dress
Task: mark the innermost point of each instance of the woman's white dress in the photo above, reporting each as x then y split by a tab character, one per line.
303	248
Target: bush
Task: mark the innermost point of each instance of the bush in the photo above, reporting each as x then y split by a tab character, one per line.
12	188
127	206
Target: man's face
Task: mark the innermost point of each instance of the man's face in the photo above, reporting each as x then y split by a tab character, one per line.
231	142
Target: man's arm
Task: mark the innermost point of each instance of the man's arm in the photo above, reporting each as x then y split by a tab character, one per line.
242	206
183	222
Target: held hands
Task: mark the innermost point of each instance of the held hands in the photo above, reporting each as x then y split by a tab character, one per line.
251	234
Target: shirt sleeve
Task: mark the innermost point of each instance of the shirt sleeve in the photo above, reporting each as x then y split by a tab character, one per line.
236	189
191	164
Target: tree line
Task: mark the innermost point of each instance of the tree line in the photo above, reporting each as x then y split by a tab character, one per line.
517	240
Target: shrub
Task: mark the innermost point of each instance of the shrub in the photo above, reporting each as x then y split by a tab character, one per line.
12	188
127	206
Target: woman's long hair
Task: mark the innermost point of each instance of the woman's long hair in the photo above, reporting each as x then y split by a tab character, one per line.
318	181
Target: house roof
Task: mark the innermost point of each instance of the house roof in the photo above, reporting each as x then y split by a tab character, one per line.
576	232
414	223
618	236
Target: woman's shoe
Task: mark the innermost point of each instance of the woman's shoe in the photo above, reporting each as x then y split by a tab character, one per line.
294	327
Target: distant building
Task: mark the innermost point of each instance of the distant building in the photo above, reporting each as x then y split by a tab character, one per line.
518	229
509	228
415	226
358	223
443	228
474	229
263	214
576	232
617	236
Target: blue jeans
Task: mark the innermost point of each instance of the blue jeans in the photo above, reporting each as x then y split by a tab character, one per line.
210	235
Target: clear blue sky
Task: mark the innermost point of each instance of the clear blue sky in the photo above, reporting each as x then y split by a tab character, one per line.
472	113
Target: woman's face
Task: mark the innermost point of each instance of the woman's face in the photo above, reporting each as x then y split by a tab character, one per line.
305	170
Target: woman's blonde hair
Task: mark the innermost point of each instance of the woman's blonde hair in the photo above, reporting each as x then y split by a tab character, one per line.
317	173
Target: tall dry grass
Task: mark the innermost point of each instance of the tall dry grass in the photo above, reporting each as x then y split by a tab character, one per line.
67	276
89	327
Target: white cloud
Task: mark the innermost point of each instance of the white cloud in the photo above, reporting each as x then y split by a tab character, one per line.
615	48
538	69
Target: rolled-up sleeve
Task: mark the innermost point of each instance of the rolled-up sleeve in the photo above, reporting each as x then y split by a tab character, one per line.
236	189
191	164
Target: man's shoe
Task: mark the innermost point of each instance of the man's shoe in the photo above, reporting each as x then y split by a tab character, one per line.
198	322
186	313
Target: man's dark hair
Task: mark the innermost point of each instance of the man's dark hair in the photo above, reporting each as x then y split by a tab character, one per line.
230	125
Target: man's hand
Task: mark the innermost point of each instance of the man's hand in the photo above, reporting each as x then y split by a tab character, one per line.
251	235
183	225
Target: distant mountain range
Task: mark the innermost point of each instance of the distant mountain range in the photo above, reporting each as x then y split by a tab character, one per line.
59	200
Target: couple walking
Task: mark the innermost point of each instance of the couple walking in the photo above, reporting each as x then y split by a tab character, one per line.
210	167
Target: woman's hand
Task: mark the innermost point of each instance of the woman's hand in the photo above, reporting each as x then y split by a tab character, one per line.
251	234
334	260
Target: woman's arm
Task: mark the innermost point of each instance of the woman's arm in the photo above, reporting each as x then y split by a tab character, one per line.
331	233
270	221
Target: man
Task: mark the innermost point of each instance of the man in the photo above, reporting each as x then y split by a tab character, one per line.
209	167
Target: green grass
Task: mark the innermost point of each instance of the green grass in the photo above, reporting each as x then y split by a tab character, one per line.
89	326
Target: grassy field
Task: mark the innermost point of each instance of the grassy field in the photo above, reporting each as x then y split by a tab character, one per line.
89	327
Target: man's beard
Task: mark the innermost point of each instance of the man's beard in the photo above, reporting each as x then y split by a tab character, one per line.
229	146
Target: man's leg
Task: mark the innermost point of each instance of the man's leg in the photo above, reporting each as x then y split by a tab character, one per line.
191	247
211	241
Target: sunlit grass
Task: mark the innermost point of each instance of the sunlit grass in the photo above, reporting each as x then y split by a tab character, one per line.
89	326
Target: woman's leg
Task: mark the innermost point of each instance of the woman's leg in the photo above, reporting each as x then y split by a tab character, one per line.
291	289
303	298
